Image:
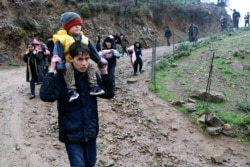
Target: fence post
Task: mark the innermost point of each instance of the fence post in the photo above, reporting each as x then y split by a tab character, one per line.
173	44
153	64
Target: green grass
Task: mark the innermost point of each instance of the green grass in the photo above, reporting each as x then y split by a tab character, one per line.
235	85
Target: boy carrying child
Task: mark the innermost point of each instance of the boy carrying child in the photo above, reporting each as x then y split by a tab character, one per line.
63	39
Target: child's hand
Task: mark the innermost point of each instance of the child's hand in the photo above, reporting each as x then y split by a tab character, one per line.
54	60
104	69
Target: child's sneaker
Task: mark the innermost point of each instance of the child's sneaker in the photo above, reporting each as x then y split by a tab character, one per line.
96	90
73	95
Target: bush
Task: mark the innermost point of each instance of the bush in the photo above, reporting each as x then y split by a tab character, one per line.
19	34
183	47
85	11
95	8
243	105
49	4
106	8
27	23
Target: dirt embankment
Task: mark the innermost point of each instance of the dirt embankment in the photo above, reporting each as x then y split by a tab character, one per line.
21	21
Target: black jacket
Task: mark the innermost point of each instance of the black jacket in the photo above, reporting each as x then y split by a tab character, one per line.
78	120
32	60
168	33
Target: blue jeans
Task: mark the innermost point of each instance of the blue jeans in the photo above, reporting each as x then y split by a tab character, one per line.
82	154
32	86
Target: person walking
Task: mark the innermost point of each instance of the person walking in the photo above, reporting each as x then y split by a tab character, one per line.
193	32
168	35
40	63
46	57
78	120
31	58
246	19
138	60
124	44
110	53
71	32
223	23
190	33
236	18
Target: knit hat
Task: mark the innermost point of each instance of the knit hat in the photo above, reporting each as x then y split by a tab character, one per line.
70	19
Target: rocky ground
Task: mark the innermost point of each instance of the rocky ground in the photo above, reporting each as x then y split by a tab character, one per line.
137	129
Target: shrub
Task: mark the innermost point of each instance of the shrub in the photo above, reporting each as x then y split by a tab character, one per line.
85	11
19	34
243	105
49	4
183	47
27	23
106	8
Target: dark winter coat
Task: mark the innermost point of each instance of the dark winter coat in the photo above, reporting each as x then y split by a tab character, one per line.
78	120
98	44
236	15
168	33
32	60
112	60
124	42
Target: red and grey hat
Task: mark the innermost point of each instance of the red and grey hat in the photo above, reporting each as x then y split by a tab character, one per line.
70	19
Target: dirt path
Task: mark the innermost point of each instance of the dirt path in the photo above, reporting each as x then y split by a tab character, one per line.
136	128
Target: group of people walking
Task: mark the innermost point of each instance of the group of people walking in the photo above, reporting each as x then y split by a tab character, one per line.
193	32
67	76
235	21
117	41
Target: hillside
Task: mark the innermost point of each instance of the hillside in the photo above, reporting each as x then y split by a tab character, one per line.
23	20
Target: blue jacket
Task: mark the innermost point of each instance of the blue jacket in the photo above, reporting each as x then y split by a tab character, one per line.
78	120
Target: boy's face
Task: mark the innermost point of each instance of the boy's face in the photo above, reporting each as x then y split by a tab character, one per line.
75	30
81	62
